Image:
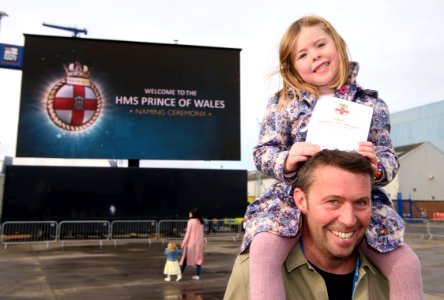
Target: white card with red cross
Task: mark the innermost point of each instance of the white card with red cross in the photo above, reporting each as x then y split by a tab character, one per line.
339	124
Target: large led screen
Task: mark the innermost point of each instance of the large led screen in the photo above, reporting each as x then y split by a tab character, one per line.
88	98
93	193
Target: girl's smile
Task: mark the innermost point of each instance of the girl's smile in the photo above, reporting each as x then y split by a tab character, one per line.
316	58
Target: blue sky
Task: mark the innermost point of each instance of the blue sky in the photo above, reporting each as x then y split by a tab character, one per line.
398	44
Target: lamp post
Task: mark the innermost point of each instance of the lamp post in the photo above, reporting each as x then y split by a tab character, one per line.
2	14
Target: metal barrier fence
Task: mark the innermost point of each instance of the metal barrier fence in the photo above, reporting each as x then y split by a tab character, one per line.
223	229
133	230
23	232
29	232
213	229
100	231
171	229
437	229
431	229
417	227
84	231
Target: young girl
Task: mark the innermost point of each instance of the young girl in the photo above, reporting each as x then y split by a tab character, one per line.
172	264
314	62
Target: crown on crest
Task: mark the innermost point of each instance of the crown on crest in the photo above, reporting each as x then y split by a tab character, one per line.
77	70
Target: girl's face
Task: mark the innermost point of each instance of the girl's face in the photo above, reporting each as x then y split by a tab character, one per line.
316	58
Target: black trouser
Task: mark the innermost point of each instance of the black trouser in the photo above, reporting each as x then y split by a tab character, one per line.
184	265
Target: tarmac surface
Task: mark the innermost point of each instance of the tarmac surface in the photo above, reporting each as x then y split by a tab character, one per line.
133	270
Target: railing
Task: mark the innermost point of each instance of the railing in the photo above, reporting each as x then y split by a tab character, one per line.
418	227
171	229
84	231
223	229
28	232
431	229
17	232
436	229
215	229
133	230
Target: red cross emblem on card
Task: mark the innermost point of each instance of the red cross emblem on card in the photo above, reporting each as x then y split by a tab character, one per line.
342	109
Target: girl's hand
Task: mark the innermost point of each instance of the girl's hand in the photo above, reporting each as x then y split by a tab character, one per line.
368	150
299	152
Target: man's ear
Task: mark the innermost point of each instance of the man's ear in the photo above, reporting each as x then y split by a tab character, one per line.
300	200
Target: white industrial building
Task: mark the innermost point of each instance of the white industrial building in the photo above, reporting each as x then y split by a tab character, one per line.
421	175
418	137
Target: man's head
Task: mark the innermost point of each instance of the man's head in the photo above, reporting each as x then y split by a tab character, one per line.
334	194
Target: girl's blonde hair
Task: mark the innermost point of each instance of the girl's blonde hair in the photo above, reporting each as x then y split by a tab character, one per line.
291	78
172	246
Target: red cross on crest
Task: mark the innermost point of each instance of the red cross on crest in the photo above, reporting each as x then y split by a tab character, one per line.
74	103
342	109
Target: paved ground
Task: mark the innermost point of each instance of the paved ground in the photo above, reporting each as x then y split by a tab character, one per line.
134	271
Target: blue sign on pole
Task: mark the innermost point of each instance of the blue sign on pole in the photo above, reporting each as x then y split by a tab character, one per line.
11	56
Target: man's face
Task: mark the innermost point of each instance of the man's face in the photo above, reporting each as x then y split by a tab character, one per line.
337	208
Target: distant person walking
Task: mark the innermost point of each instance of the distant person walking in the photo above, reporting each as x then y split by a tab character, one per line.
193	243
172	266
212	223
